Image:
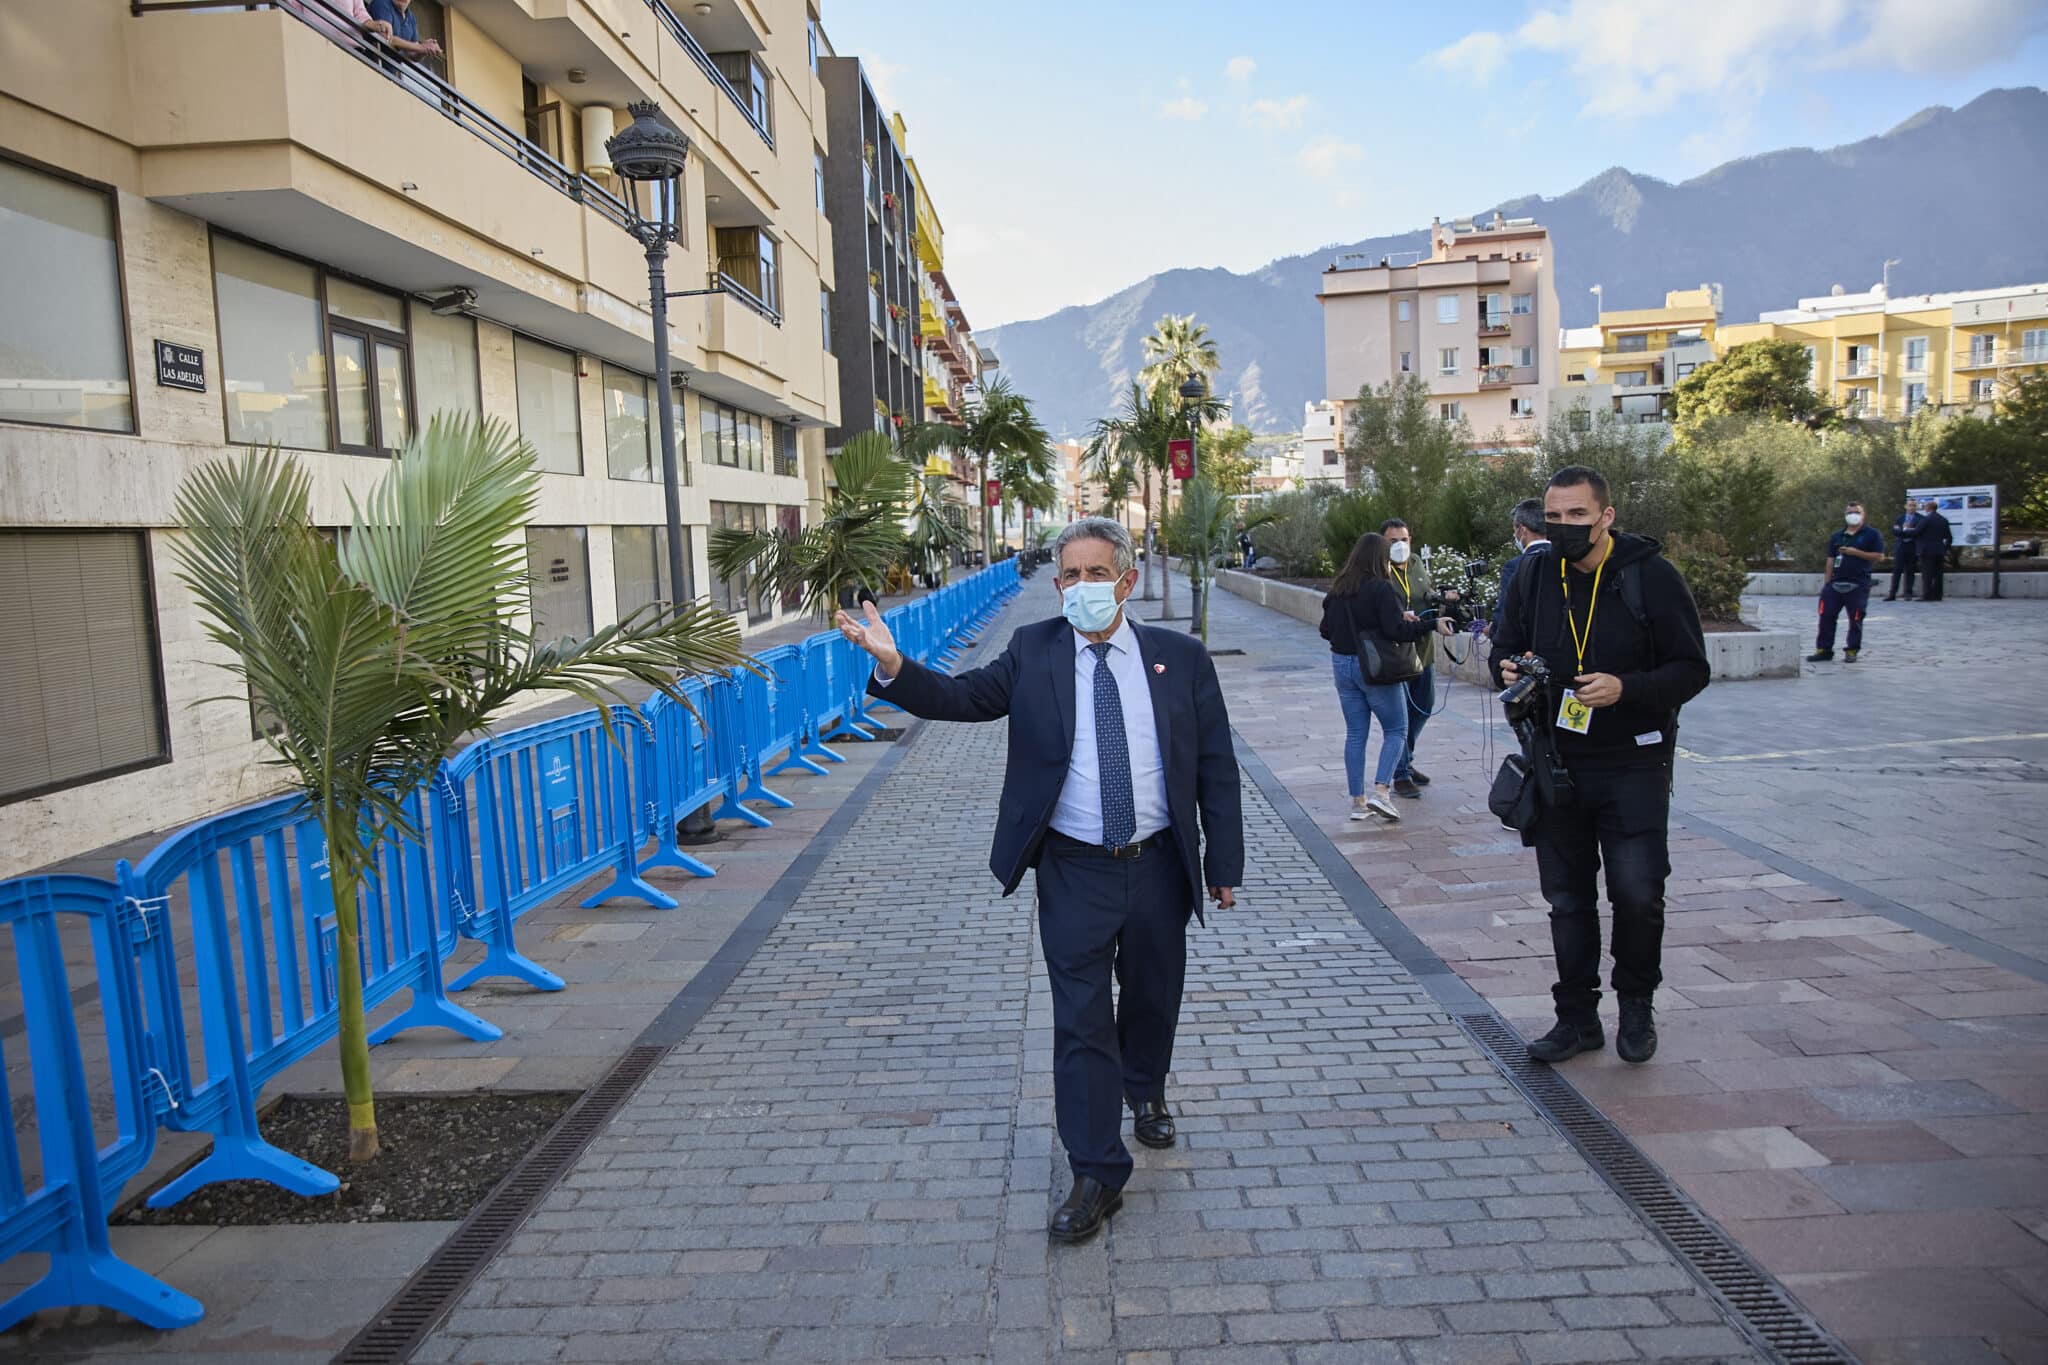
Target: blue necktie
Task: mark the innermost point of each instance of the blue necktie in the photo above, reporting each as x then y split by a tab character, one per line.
1112	756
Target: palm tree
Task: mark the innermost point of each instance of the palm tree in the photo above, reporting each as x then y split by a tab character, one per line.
935	529
1201	528
1026	476
850	546
998	422
1177	348
1137	435
379	653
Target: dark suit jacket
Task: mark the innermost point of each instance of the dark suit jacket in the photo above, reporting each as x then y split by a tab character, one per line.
1033	684
1935	538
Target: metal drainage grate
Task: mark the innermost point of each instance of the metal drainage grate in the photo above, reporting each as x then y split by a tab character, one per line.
418	1307
1777	1323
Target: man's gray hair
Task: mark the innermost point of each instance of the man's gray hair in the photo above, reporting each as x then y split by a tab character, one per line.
1529	515
1098	528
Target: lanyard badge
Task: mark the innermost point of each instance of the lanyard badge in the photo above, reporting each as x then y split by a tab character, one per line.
1573	714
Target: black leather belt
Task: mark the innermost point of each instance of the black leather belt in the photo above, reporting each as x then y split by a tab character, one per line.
1061	843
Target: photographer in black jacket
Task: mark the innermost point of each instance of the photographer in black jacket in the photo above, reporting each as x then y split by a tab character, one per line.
1617	626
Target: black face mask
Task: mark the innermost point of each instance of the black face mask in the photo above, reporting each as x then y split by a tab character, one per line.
1569	539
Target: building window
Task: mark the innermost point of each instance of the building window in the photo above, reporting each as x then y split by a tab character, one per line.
2034	346
1404	309
1407	362
444	369
747	258
742	592
1523	303
1525	357
749	80
1983	390
63	336
81	677
628	449
558	568
1983	350
785	449
546	382
1446	307
372	398
819	158
1632	379
1916	355
1686	367
1450	412
1812	359
1634	341
1447	360
825	318
273	363
1575	379
1862	360
1521	407
1495	310
811	35
735	437
640	567
1916	398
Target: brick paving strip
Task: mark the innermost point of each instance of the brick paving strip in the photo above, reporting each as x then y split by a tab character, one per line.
850	1155
1863	1107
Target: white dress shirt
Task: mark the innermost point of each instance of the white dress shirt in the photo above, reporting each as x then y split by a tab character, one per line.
1079	813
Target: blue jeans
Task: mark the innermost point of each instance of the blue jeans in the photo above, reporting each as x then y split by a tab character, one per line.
1362	701
1421	691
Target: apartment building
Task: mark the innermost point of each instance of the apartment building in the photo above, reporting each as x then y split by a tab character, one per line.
240	226
1880	357
866	187
1475	319
1320	454
950	361
1628	363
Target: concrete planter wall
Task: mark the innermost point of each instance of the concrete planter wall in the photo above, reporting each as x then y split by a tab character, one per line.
2033	586
1733	657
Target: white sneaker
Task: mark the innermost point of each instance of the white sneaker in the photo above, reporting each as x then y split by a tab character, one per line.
1382	807
1358	809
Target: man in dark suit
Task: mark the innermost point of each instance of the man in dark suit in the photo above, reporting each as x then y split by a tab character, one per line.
1933	541
1120	766
1529	537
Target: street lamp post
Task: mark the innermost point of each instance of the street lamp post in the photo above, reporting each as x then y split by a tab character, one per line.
1192	391
649	156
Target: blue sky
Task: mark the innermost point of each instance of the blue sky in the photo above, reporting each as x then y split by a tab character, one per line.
1073	148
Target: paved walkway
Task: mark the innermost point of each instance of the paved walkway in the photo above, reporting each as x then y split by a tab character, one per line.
851	1157
1863	1106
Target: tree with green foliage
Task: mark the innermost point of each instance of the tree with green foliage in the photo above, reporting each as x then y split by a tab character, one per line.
998	425
1396	443
2009	449
378	652
1768	378
849	547
1225	458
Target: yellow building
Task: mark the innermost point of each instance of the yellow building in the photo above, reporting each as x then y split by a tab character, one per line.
949	362
233	227
1887	358
1631	360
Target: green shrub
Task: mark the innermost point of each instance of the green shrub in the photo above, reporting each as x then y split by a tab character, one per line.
1714	572
1294	536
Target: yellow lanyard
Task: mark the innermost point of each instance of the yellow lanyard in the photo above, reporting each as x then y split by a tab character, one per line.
1578	640
1407	593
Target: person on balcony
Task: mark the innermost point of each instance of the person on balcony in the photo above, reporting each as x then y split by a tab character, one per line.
343	18
402	28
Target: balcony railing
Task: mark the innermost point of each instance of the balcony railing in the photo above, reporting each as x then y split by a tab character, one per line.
328	21
1859	369
747	298
1493	324
666	17
1496	376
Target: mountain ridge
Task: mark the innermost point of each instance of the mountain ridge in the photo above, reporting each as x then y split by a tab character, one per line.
1922	192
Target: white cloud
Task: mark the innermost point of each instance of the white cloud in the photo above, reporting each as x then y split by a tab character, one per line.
1277	113
1475	57
1628	57
1187	109
1327	156
1240	68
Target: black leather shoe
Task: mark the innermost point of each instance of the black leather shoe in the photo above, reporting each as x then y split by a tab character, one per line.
1566	1041
1089	1205
1408	787
1152	1125
1636	1039
1419	777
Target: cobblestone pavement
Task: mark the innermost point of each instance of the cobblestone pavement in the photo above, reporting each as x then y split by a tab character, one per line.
851	1157
1862	1106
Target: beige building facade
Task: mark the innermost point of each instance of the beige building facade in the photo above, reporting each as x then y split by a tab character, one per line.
231	228
1476	320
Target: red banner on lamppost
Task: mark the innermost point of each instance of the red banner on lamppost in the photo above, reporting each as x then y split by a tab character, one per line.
995	492
1181	455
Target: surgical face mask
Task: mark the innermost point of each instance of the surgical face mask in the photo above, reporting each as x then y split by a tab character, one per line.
1398	552
1089	607
1569	539
1853	518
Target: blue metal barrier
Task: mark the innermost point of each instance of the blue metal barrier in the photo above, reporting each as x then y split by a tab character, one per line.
530	813
65	1217
753	703
824	693
683	776
789	726
275	1001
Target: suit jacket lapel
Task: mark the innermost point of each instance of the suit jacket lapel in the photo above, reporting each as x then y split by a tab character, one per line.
1060	659
1156	680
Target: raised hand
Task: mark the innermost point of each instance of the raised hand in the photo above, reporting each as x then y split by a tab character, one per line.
870	634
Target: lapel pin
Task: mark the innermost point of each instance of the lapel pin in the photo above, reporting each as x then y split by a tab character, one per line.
1159	668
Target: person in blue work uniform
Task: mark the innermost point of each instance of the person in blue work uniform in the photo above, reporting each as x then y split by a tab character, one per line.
1845	583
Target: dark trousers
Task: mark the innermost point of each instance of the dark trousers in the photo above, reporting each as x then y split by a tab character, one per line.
1931	569
1619	819
1903	566
1099	917
1421	702
1832	604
